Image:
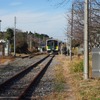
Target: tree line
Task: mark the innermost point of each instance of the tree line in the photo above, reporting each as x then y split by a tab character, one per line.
77	22
26	42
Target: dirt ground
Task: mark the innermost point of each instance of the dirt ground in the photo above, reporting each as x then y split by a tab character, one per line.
5	60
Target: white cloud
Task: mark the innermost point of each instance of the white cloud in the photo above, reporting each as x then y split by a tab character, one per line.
43	22
2	12
15	3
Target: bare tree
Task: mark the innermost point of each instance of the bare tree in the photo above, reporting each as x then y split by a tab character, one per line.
78	21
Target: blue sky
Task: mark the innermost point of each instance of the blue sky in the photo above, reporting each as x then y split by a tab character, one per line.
42	16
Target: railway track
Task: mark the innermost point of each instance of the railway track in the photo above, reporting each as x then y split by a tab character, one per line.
32	55
18	87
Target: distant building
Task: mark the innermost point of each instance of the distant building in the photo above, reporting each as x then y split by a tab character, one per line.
4	48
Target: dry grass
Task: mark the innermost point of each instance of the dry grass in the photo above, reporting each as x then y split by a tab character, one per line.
80	89
62	90
83	89
4	60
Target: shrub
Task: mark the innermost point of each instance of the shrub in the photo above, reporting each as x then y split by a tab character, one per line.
77	67
59	79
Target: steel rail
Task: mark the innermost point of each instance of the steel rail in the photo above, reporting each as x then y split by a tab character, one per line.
20	74
34	81
32	55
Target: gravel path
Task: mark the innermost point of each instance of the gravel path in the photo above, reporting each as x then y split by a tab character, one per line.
46	85
7	71
16	89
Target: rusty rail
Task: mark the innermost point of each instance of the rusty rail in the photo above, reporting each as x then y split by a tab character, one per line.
34	81
20	74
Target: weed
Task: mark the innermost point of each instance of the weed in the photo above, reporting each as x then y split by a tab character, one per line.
77	67
59	87
59	79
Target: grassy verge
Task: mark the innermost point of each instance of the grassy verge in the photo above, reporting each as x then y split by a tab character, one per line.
60	83
70	73
84	89
59	79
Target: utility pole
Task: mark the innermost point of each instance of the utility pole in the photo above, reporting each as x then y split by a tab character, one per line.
71	33
86	32
0	28
30	41
90	22
2	43
14	36
66	46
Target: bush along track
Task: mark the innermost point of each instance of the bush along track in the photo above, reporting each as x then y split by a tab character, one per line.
83	89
